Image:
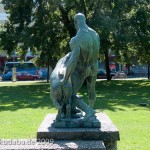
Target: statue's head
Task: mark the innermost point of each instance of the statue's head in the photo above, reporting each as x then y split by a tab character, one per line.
79	19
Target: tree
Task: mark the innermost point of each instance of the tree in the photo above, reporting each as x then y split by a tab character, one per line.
34	24
47	26
131	39
98	14
19	18
45	34
141	21
8	41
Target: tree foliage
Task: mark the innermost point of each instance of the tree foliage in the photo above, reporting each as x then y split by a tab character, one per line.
47	26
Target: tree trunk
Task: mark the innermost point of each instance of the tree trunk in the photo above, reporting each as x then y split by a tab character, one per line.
48	64
107	65
66	21
84	8
129	69
148	71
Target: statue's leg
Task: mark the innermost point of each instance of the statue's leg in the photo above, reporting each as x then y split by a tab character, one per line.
91	81
68	109
66	97
89	112
56	97
58	117
77	82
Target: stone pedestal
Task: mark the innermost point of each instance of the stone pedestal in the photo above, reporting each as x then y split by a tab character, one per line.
108	133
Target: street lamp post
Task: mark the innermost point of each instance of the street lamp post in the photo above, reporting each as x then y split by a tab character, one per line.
14	69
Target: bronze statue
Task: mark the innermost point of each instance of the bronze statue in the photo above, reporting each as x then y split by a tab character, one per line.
81	65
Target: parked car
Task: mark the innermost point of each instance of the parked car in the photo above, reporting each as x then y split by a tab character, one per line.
101	74
7	76
120	75
26	76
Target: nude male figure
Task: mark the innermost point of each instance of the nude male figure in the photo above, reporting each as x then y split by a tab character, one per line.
82	64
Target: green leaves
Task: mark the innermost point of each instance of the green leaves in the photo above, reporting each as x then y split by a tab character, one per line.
47	26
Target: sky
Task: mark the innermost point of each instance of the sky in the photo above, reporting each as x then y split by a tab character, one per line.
3	15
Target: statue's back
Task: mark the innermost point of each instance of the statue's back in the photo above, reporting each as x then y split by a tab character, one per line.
89	42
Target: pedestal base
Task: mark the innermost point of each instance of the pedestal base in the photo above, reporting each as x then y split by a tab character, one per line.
108	133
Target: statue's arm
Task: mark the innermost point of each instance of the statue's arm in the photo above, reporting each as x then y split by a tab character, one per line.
71	64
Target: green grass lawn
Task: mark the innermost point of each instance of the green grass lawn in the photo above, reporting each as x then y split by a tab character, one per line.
24	105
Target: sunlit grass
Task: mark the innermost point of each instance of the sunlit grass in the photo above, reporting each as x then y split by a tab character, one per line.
121	101
22	108
24	105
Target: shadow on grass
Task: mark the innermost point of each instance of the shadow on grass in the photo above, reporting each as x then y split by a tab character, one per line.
110	95
33	96
118	94
122	93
